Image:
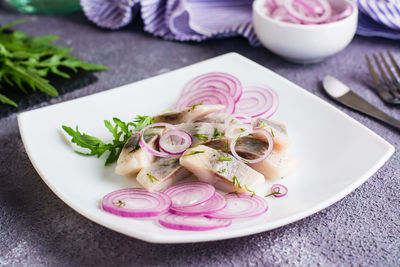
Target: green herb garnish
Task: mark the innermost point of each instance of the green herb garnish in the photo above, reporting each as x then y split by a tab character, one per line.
151	177
137	146
121	132
25	62
217	134
201	137
194	153
121	203
274	193
192	107
234	192
235	182
140	122
225	159
251	191
222	171
272	133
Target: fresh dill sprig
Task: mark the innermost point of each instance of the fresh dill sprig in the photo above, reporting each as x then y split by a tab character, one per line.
236	182
192	107
194	153
251	191
217	134
151	177
234	192
222	171
274	193
272	133
201	137
120	203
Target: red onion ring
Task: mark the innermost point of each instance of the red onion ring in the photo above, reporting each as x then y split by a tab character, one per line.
207	96
216	80
279	188
258	101
189	194
143	143
244	125
241	206
136	203
192	223
216	203
304	17
269	139
182	141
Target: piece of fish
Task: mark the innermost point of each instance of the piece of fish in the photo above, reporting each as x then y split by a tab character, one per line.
188	114
203	131
279	130
208	165
276	165
133	158
214	118
161	174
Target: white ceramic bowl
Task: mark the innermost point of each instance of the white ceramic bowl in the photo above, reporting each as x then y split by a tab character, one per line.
304	43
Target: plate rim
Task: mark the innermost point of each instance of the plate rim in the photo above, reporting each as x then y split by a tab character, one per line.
389	150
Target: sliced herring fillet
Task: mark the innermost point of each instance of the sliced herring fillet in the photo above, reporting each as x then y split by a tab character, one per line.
205	163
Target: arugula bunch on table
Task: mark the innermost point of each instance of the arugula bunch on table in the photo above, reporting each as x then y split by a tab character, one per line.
121	132
25	62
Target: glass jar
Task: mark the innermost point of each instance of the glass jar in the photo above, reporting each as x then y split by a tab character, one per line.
45	6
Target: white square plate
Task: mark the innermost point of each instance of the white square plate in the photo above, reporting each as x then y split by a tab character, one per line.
336	153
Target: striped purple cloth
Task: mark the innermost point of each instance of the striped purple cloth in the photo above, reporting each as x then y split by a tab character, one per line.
197	20
379	18
183	20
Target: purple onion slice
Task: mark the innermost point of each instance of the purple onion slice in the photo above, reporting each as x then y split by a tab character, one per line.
192	223
241	206
136	203
189	194
216	203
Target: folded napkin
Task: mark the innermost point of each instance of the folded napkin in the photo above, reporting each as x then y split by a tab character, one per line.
197	20
379	18
183	20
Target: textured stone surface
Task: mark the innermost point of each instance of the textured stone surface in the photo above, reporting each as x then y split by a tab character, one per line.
37	228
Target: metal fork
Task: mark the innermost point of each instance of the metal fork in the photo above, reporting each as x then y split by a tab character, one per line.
388	89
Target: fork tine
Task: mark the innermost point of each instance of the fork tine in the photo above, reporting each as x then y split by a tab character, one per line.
395	83
394	63
372	71
383	74
378	85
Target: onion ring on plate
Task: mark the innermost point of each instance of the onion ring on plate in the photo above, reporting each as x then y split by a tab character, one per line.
189	194
136	202
258	101
241	206
175	142
269	139
143	143
215	80
207	96
192	223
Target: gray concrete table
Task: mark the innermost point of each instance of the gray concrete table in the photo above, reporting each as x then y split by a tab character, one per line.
37	228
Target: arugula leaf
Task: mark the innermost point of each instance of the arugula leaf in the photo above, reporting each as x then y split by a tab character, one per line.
26	61
121	132
97	147
140	122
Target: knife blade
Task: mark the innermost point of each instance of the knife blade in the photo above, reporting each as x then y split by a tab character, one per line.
343	94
